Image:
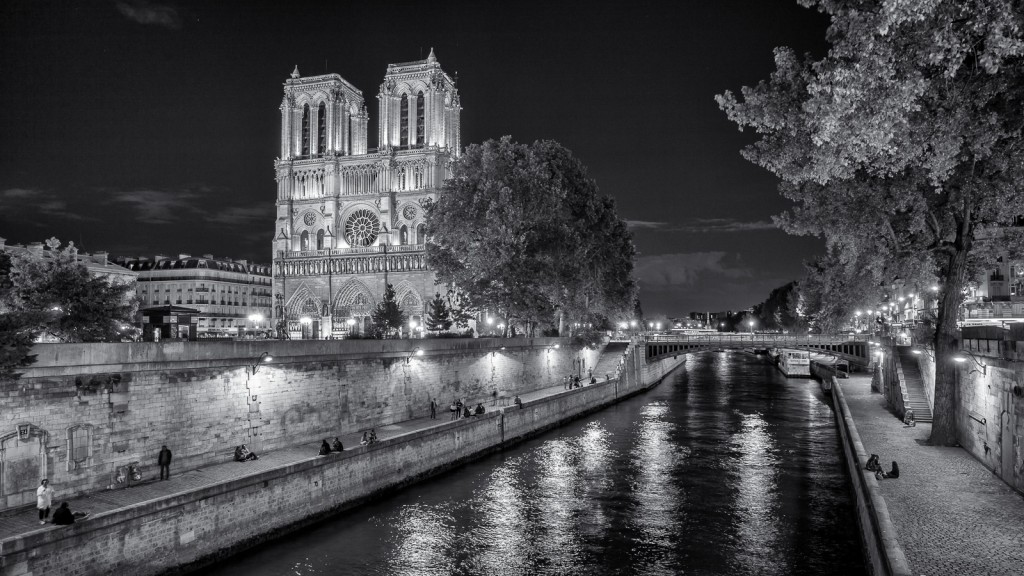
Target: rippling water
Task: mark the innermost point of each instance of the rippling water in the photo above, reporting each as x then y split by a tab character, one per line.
724	468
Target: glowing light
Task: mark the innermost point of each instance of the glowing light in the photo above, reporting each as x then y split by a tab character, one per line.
306	320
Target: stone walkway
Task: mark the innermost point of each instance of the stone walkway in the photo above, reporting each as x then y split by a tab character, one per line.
27	520
952	515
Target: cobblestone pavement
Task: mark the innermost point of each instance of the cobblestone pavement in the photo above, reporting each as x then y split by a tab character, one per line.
952	515
24	521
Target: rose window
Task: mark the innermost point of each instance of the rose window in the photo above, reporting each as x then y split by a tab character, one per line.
361	228
409	212
309	218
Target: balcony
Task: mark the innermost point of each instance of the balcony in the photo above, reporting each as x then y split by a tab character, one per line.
392	249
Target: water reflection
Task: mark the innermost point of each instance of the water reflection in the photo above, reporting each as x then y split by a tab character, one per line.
659	499
726	468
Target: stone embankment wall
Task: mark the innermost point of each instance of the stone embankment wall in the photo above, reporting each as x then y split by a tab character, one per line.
84	414
194	528
990	399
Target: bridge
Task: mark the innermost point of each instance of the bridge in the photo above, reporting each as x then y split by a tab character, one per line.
852	348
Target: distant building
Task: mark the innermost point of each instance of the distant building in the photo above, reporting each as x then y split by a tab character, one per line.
98	263
705	320
225	292
349	217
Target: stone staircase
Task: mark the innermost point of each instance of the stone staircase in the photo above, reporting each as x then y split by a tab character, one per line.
610	357
913	383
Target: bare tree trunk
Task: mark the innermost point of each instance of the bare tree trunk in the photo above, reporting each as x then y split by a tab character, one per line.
944	414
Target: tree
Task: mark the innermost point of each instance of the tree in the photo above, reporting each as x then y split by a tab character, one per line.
460	309
55	294
903	141
521	231
387	317
439	317
16	327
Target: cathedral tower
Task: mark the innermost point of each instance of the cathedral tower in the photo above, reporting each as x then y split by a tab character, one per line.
349	217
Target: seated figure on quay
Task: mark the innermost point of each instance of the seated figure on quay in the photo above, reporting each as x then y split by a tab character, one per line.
243	454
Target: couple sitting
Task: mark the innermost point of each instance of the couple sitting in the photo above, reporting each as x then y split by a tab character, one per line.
326	448
368	437
64	516
243	454
874	466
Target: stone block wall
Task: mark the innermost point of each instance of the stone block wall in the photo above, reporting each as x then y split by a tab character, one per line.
85	413
201	525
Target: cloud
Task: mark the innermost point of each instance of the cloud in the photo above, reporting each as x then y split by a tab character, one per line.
145	12
703	226
644	225
664	271
723	225
236	215
159	206
19	193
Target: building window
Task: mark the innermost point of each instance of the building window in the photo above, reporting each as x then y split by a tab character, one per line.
421	234
350	124
419	178
305	130
319	239
419	119
321	133
403	235
304	241
403	130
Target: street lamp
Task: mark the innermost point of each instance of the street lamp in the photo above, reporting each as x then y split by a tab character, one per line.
412	327
751	326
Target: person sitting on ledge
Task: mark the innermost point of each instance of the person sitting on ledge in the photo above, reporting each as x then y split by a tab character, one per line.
63	515
891	474
243	454
325	448
366	438
465	413
872	465
479	409
518	402
373	436
337	446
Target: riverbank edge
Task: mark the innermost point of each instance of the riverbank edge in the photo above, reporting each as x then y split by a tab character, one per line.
881	546
174	534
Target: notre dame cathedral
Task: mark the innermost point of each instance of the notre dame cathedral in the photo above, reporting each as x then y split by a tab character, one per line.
350	218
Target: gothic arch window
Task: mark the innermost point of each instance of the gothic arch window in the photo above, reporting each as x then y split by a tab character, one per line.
304	241
79	446
419	119
319	239
321	133
403	235
305	130
403	129
421	234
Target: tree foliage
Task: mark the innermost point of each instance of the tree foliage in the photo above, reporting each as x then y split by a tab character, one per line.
439	317
521	231
904	141
387	317
64	301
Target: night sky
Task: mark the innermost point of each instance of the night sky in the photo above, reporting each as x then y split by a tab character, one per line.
151	127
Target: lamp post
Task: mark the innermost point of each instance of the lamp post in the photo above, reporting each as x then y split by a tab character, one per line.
255	318
751	323
305	321
412	328
351	323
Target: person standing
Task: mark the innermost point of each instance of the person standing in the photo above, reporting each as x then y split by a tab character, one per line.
164	460
433	408
44	499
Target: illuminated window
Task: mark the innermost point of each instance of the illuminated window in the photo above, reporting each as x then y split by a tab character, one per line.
403	235
321	135
304	241
319	239
419	118
403	133
305	130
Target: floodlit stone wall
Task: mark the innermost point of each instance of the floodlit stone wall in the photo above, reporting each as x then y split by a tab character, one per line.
194	528
89	415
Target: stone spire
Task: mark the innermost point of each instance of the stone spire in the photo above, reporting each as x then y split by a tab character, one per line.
295	73
431	57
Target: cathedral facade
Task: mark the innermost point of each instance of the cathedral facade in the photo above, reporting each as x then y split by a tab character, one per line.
351	218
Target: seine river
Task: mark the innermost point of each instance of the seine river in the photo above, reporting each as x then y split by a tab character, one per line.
726	467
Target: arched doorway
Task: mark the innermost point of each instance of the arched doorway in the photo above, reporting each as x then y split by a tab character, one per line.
310	320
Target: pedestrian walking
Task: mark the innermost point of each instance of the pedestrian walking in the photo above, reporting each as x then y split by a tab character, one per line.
164	460
433	408
44	499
